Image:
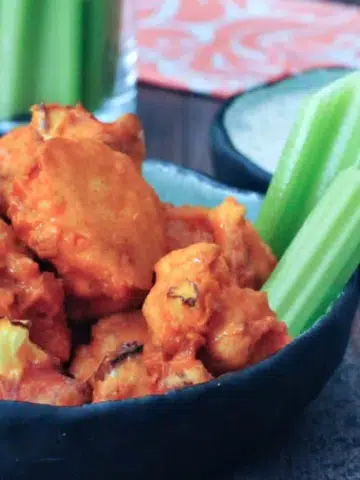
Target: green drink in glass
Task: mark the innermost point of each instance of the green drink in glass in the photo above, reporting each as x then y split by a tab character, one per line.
67	51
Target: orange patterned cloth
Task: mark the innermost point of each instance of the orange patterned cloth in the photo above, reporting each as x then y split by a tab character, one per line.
220	47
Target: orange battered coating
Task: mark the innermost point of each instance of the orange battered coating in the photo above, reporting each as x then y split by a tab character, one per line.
195	307
148	373
25	292
73	191
121	363
48	386
28	374
128	379
84	207
124	135
186	293
109	335
113	362
250	260
186	226
243	332
183	370
274	340
16	150
52	120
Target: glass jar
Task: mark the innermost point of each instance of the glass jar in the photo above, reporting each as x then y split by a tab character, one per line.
67	51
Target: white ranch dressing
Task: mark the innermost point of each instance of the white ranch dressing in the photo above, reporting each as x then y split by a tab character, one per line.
258	122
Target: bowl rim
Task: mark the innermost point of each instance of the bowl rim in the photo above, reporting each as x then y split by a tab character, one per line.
203	176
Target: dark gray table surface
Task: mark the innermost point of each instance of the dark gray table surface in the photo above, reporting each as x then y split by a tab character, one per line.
324	442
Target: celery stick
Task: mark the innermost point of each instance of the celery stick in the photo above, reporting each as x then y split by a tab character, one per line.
18	41
324	140
96	53
116	31
321	258
59	63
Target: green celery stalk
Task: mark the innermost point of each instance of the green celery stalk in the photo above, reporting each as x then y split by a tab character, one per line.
321	258
323	141
56	51
59	59
97	19
18	35
115	26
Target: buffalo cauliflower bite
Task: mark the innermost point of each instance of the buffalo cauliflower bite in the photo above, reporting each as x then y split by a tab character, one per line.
50	121
29	374
113	362
186	226
16	149
197	310
124	378
186	293
109	336
50	387
244	331
25	292
250	260
125	135
137	371
120	362
182	370
84	208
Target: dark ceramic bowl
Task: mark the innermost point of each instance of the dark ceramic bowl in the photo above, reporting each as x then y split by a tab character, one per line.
186	433
249	131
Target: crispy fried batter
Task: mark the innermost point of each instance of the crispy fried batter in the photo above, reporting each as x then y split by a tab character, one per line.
250	260
243	332
187	290
274	340
124	135
109	334
121	363
28	374
50	387
128	379
113	362
86	209
183	370
186	226
73	192
147	374
16	151
196	303
48	121
25	292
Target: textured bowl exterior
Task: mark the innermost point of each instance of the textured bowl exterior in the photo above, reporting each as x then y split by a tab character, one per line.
185	432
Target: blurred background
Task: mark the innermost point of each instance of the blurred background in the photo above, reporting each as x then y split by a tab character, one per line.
177	63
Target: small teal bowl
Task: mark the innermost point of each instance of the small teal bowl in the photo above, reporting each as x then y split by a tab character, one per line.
249	131
187	433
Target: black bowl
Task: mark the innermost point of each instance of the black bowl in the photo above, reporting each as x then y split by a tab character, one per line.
185	433
253	171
